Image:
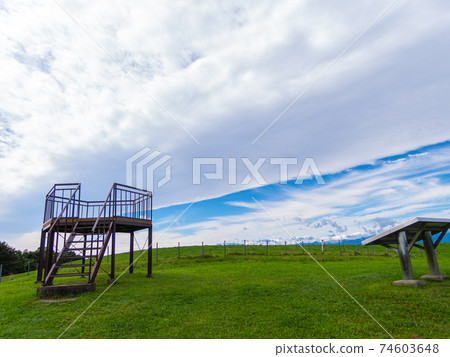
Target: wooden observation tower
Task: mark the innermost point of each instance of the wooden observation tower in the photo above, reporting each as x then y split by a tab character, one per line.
76	233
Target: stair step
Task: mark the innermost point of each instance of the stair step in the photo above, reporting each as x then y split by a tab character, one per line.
68	275
90	248
72	266
87	241
78	257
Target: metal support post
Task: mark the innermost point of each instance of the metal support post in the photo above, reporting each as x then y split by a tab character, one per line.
49	253
83	261
113	255
130	268
149	252
41	258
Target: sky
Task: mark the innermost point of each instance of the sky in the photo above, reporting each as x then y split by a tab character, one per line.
357	91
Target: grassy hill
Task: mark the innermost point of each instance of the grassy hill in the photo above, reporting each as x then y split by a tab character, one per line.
240	296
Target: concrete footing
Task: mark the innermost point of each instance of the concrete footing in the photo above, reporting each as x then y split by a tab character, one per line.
434	277
59	290
409	283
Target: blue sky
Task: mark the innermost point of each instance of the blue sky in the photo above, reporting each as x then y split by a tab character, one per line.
353	204
361	87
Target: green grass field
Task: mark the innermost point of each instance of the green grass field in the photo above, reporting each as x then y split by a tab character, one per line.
237	296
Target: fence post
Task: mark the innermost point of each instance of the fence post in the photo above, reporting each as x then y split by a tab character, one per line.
202	251
339	243
178	250
156	251
357	245
224	249
267	247
343	246
107	256
285	248
1	269
28	272
245	248
372	251
323	246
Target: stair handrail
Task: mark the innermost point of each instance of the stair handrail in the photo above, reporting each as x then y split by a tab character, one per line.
65	207
103	207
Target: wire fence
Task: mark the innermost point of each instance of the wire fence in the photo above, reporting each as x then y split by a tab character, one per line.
264	248
5	265
267	248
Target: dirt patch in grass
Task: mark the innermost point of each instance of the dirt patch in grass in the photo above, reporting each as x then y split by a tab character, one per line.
48	301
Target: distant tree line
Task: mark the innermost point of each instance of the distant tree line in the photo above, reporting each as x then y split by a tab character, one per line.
14	261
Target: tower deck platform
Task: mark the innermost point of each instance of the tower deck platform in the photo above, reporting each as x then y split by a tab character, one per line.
76	233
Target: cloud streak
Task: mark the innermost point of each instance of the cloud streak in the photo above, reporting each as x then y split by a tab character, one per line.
354	204
224	71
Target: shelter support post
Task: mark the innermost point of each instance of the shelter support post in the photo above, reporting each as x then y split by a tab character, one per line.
405	262
430	253
405	259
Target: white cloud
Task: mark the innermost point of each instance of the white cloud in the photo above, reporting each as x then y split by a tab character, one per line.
224	71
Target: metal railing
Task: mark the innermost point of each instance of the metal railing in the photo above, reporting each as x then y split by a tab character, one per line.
63	210
63	201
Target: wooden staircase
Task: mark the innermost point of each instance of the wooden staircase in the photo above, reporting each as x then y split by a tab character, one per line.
76	233
79	246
